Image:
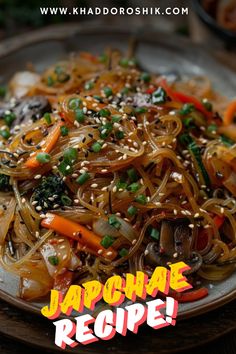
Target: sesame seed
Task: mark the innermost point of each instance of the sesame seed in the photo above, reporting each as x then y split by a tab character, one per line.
207	226
146	252
109	253
76	201
114	189
64	257
94	185
39	208
35	202
196	215
191	226
23	200
100	251
175	255
104	170
134	241
37	234
37	177
175	212
222	210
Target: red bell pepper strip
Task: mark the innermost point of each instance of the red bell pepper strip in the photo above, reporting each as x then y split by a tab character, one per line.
190	296
202	238
183	98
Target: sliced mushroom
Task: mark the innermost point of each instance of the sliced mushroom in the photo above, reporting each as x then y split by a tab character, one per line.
166	238
153	257
25	109
195	263
183	238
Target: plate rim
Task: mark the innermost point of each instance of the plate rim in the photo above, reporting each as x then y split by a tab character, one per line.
64	31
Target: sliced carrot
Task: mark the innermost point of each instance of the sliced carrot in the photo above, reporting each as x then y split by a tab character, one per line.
49	144
78	232
230	113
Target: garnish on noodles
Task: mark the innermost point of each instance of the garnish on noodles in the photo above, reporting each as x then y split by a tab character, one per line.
106	169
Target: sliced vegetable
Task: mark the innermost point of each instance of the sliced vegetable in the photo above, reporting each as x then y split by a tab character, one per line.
190	296
230	113
50	142
77	232
181	97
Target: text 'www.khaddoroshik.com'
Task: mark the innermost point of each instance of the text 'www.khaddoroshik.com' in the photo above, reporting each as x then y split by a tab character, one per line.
114	11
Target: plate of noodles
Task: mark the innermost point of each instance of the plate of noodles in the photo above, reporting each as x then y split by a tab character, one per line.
115	158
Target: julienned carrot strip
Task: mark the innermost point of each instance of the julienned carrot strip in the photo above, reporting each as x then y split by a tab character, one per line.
190	296
230	113
78	232
182	97
50	142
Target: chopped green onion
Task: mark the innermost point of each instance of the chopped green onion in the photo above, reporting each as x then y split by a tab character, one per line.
140	110
121	185
88	85
132	174
227	141
134	187
47	117
96	147
62	76
116	118
108	91
9	118
119	134
132	210
74	103
3	91
103	58
145	77
112	220
98	98
188	122
43	157
141	199
154	233
107	241
123	252
64	130
53	260
65	168
79	115
212	128
50	81
125	91
124	62
207	105
159	96
104	112
187	108
105	130
66	200
5	133
70	155
83	178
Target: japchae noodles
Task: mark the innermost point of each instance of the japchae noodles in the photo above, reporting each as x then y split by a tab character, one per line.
106	169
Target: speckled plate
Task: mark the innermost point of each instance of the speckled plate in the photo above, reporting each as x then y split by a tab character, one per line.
156	52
